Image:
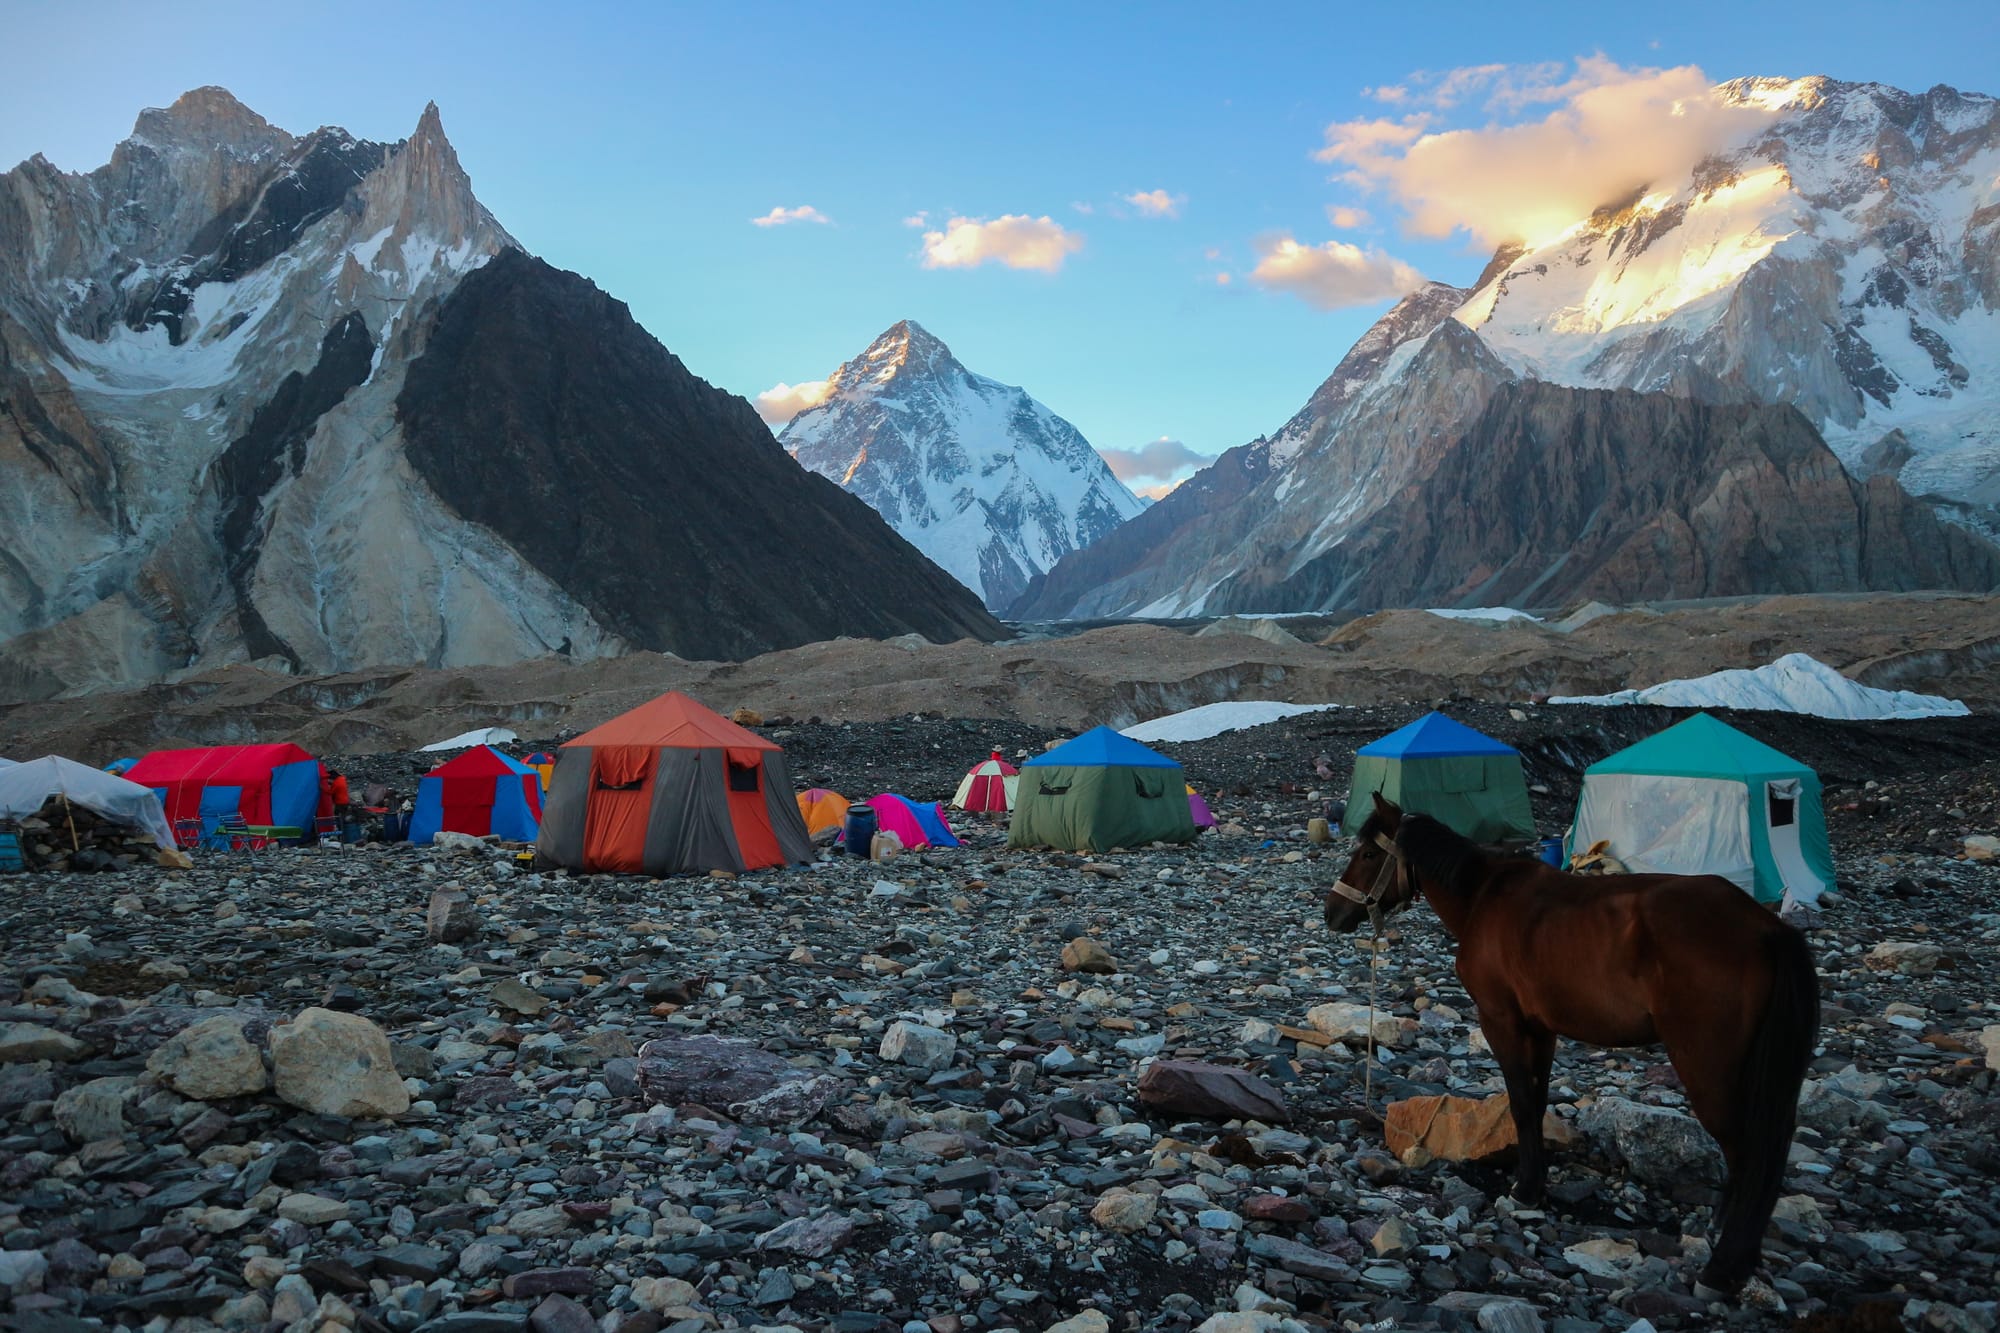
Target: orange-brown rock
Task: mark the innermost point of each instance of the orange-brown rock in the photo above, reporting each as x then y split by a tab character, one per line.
1451	1129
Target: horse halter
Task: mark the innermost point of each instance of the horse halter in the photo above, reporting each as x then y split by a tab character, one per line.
1394	870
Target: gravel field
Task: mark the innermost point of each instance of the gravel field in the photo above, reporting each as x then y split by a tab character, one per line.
425	1089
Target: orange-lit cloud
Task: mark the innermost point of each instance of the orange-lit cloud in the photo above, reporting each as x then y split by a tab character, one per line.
1332	275
1611	130
1347	219
779	217
1162	460
1016	240
1157	203
781	402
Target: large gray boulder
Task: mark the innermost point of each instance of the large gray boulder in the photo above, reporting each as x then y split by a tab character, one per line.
336	1064
1657	1145
210	1060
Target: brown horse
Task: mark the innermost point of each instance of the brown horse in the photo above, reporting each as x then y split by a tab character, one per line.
1616	960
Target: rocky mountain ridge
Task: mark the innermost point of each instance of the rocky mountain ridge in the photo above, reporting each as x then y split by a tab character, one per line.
203	351
976	474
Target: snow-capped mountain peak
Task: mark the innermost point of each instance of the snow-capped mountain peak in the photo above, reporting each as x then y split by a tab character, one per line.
975	473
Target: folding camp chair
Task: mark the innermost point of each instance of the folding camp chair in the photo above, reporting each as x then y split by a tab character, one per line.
233	835
187	834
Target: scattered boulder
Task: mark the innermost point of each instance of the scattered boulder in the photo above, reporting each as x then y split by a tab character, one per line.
90	1112
511	994
1982	847
1084	954
21	1043
1345	1021
809	1237
336	1064
731	1075
1216	1092
1658	1146
451	917
918	1044
1124	1211
210	1060
1909	957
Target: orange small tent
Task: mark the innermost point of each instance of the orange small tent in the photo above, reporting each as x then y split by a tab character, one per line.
822	809
671	787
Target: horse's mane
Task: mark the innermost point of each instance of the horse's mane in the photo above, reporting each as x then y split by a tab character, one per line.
1438	853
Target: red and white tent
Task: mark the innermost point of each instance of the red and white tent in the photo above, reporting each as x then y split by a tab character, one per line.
988	787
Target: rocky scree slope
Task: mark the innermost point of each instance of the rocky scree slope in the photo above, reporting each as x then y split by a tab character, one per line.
203	344
978	475
1840	260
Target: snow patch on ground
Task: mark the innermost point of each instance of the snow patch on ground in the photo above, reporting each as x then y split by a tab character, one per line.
1198	724
1795	683
1500	613
465	740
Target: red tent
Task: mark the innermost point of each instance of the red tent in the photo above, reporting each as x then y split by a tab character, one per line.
265	784
480	792
671	787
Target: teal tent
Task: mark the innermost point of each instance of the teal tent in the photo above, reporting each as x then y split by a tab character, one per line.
1702	798
1462	778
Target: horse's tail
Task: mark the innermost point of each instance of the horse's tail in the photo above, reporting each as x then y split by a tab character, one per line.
1767	1101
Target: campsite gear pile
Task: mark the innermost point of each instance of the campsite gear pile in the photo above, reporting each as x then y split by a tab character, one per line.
63	835
68	816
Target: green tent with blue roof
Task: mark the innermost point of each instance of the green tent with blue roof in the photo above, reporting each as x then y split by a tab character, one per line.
1099	791
1702	798
1460	777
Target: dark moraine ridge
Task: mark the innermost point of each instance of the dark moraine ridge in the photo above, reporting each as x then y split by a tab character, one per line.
543	411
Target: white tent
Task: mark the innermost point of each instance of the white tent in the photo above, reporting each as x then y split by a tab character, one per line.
25	787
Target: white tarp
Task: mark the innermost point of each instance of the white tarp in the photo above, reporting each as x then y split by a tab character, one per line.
24	787
466	740
1678	826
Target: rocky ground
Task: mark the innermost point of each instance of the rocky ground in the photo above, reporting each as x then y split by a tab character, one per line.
269	1092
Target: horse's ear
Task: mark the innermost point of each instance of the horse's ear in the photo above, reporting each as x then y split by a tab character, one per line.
1387	811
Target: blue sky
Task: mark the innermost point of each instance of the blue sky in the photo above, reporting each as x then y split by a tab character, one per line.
635	144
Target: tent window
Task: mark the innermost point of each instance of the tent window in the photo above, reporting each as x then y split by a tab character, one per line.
1784	810
1047	790
743	777
633	785
1151	786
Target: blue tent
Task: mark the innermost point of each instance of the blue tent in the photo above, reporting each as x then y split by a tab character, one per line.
1435	736
1446	770
480	792
1098	748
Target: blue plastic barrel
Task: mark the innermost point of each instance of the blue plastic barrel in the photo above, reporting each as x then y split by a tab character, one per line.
1551	851
859	830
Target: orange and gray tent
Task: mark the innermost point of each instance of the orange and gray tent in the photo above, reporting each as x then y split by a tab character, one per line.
822	809
671	787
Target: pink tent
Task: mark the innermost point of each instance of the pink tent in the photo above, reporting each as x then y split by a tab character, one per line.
988	787
1203	817
917	823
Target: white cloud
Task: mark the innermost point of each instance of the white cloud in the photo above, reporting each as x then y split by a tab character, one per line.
1159	490
781	402
919	218
1610	131
1332	275
1016	240
1161	460
1347	219
779	217
1157	203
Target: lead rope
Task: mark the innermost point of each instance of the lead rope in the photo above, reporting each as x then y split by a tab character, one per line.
1374	970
